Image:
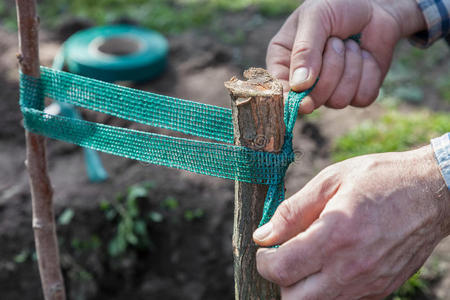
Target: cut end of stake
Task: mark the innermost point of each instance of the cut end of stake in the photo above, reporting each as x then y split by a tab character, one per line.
257	104
258	83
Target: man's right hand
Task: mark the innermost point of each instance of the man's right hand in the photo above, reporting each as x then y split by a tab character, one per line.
311	43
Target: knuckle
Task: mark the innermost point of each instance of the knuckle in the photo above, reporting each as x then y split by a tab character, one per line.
354	270
287	214
341	237
301	48
271	49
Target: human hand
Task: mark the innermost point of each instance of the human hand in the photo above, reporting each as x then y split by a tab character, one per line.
359	229
310	44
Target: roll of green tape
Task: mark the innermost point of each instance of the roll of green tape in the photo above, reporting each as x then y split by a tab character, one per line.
116	53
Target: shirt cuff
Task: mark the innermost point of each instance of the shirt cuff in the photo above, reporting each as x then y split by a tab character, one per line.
437	17
441	147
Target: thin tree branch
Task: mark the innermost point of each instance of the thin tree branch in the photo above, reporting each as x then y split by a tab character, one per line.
41	189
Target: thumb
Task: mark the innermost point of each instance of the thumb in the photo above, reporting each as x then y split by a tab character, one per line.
297	213
317	21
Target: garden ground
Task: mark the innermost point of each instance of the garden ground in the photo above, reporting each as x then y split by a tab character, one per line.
182	222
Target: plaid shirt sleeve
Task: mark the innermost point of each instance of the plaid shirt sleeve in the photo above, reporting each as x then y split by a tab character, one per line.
441	147
437	17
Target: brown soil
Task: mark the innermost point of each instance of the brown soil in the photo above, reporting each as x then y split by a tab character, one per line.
188	259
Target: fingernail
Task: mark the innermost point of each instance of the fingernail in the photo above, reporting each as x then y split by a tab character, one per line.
300	75
352	46
338	46
263	232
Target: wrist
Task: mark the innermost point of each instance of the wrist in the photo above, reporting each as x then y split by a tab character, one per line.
427	174
407	14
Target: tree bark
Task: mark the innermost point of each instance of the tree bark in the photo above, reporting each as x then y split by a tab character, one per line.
41	189
257	106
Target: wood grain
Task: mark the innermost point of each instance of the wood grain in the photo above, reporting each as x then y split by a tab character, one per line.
257	105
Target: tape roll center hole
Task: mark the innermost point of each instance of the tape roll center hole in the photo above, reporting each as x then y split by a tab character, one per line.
119	46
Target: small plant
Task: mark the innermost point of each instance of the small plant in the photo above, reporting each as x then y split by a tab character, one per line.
131	228
22	256
170	203
191	215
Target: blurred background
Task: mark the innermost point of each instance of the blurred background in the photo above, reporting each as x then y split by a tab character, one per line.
150	232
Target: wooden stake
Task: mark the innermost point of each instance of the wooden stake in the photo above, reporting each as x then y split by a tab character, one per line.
41	189
258	124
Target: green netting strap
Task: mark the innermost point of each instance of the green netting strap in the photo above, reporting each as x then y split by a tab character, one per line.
275	194
209	158
185	116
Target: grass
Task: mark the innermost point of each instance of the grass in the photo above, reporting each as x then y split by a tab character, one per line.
392	132
411	288
167	16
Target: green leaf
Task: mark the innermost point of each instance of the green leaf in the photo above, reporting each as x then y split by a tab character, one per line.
132	238
155	216
171	203
104	205
66	216
110	214
140	227
117	246
190	215
137	191
22	256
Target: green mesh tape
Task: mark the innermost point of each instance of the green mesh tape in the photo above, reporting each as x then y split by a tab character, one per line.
209	158
188	117
211	122
275	194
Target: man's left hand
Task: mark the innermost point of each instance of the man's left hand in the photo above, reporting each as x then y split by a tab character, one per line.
359	229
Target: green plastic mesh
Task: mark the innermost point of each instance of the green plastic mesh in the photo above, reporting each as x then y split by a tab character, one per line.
188	117
192	118
209	158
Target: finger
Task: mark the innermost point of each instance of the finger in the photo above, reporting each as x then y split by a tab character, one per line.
278	56
318	20
370	83
316	286
331	73
307	106
347	87
298	212
295	259
306	56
